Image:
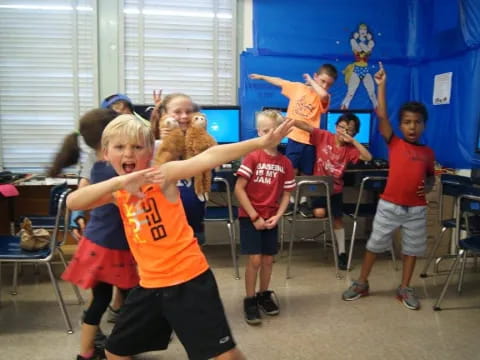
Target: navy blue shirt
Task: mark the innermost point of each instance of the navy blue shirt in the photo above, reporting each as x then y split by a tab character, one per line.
194	207
105	227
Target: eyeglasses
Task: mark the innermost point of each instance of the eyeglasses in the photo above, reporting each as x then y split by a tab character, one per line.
346	129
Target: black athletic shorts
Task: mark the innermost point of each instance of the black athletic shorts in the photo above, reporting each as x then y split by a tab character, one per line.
192	309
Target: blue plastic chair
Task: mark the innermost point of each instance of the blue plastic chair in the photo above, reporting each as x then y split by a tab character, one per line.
453	186
467	204
226	213
10	251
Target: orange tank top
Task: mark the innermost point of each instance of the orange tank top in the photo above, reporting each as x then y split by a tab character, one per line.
160	238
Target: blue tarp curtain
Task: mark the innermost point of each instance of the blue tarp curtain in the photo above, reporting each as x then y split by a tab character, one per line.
415	40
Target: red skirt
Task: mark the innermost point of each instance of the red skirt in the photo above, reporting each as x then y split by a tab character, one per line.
93	263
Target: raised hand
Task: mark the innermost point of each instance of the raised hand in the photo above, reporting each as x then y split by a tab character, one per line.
157	97
274	136
255	76
134	181
380	76
308	79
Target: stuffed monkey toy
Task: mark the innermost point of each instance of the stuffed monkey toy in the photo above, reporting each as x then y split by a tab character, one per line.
172	146
198	140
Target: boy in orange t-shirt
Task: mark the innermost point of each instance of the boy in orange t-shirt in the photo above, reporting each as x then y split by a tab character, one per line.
307	102
177	289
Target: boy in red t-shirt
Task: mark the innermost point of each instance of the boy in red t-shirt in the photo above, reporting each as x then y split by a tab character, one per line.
333	153
403	203
265	180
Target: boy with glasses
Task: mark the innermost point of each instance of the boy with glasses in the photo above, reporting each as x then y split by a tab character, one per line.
333	153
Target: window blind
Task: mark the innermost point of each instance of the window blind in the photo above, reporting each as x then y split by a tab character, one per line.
47	77
187	47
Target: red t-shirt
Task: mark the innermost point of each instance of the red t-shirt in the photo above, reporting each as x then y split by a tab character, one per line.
268	177
332	159
410	165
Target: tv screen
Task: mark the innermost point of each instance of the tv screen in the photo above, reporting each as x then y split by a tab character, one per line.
365	117
223	122
282	111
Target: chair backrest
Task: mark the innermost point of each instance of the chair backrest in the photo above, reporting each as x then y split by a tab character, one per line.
375	184
224	184
313	186
62	219
55	193
453	185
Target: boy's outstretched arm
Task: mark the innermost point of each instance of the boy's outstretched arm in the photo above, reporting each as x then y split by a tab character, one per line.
101	193
383	121
324	95
271	79
220	154
303	125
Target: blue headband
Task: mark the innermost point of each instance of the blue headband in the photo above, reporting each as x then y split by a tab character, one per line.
112	100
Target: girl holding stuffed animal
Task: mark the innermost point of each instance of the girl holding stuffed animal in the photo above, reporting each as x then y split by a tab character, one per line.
102	259
180	107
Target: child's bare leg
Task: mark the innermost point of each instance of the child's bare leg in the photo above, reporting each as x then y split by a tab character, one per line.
408	267
87	338
367	265
266	272
233	354
251	271
117	299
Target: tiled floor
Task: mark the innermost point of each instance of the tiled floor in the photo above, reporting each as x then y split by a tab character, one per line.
314	322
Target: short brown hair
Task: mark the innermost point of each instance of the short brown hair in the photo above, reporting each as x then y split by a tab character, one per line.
328	69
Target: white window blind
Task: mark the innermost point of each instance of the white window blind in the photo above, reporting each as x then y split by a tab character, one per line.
47	77
180	46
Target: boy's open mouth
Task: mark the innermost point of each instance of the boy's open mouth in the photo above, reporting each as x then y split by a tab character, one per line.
128	167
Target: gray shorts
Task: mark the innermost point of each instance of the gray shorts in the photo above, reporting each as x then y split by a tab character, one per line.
411	219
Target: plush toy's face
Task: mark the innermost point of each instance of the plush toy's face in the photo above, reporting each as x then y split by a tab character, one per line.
199	120
169	122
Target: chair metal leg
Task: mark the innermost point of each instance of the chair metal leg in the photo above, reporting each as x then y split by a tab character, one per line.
462	272
75	288
63	309
231	233
438	240
15	279
0	283
282	234
352	244
437	307
290	245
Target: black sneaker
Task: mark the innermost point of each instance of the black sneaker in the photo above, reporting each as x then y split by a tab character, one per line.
250	307
268	302
342	261
98	354
289	210
305	210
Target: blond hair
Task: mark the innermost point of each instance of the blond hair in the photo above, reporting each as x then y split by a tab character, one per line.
272	115
129	127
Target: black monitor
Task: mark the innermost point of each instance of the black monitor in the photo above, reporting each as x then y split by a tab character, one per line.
223	122
365	117
282	111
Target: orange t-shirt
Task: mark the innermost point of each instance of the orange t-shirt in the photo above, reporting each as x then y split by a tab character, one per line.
305	105
160	238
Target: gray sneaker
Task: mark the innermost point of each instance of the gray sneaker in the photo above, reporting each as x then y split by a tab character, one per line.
355	291
408	298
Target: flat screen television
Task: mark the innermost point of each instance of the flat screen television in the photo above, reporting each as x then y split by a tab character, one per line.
365	117
223	122
282	111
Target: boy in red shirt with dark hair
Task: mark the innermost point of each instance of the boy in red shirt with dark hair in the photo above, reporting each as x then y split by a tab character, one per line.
403	203
265	180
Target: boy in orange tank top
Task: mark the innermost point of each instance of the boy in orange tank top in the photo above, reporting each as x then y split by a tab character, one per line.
177	289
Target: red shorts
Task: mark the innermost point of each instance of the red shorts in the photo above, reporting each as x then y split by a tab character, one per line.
93	263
